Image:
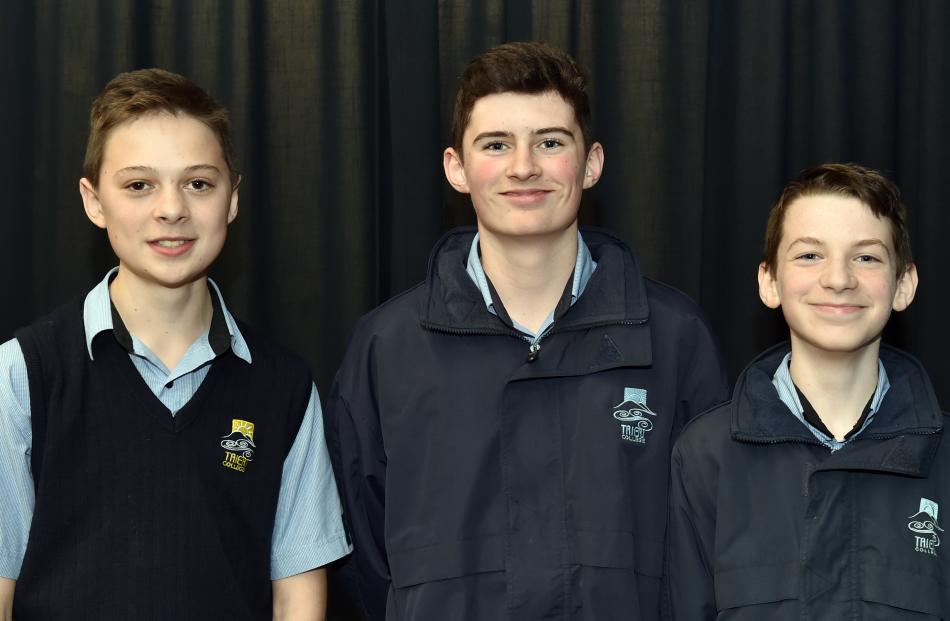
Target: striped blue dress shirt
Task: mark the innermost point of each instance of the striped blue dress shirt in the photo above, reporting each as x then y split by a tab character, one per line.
782	380
584	267
308	531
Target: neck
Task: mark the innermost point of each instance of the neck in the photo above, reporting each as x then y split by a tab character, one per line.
166	320
837	384
529	274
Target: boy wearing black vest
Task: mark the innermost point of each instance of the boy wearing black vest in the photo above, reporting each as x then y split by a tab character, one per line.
160	459
816	493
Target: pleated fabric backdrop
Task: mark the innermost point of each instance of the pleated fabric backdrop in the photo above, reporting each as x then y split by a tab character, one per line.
341	110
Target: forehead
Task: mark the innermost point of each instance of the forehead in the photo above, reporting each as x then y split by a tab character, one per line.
161	136
511	111
833	218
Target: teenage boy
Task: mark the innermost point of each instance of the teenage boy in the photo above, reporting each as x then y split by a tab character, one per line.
158	458
502	431
816	492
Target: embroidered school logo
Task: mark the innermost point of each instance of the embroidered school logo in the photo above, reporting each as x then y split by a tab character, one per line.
238	445
924	524
632	413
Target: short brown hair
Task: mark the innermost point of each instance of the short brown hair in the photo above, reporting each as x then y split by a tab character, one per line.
522	67
852	180
134	94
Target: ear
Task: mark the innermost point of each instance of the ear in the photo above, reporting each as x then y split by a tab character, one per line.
455	170
906	289
90	202
594	166
233	207
768	288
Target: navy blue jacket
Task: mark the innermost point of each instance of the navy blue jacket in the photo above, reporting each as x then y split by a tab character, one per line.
767	523
480	484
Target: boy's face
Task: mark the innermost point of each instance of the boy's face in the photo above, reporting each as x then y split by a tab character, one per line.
835	275
524	164
164	197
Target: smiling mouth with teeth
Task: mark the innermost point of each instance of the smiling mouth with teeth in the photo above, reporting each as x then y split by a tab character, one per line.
170	243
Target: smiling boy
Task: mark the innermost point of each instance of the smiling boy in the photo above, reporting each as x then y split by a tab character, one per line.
816	492
501	433
160	459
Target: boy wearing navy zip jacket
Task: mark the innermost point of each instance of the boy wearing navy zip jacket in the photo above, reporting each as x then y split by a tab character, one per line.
820	491
501	432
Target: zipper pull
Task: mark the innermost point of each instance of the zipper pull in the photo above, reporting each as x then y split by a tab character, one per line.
533	351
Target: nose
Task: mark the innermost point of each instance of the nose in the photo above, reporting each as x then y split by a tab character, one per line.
171	205
523	163
838	275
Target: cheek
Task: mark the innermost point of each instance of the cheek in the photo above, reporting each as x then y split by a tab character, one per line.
480	172
565	168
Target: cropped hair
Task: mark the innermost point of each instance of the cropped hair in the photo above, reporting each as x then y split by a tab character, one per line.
850	180
522	67
134	94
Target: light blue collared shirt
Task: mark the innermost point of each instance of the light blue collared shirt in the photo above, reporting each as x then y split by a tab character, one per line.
584	267
782	380
308	531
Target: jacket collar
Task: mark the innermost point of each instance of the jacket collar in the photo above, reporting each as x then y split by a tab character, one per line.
909	420
614	294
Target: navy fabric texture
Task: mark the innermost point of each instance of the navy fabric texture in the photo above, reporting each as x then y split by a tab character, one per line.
767	523
140	514
481	484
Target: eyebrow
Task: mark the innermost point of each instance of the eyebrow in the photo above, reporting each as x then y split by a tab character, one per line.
538	132
814	241
149	170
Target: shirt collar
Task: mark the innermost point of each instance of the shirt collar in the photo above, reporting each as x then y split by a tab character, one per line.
788	393
584	267
99	315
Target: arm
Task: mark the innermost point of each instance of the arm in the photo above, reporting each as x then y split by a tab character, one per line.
689	587
6	599
16	480
308	525
302	597
703	378
356	450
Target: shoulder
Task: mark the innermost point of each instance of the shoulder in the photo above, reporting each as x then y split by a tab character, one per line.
708	435
267	353
669	302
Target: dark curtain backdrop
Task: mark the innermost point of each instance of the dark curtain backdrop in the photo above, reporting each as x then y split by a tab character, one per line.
341	110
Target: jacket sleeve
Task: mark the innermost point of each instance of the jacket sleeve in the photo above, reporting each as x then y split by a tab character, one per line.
356	451
689	588
702	378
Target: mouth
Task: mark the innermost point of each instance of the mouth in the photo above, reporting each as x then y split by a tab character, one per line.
838	309
172	246
526	196
170	243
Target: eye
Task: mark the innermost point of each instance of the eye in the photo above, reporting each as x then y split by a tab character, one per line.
199	185
867	258
137	186
551	143
494	146
808	256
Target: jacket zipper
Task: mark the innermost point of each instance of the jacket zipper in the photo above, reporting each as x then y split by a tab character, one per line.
534	346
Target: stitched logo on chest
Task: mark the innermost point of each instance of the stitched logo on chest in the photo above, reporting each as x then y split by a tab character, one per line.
924	524
238	445
633	414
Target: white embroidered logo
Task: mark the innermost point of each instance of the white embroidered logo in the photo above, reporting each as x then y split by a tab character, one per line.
632	413
924	524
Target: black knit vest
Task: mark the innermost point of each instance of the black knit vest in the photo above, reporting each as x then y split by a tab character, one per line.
141	515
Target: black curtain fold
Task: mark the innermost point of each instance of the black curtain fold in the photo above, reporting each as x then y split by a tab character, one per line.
341	110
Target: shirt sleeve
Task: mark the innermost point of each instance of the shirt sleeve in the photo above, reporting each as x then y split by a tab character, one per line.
16	439
308	527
